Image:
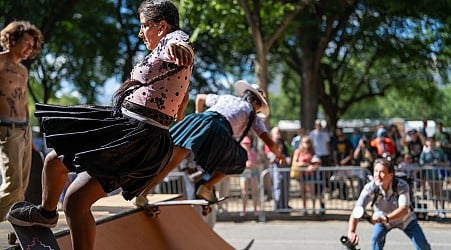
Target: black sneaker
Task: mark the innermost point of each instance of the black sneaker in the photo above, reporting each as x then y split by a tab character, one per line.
28	216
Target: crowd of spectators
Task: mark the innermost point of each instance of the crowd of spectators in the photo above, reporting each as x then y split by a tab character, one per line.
417	156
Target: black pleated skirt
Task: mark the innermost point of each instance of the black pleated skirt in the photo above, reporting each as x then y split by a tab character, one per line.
118	151
209	136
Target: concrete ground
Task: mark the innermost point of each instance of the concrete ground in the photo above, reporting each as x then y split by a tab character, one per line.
281	234
324	235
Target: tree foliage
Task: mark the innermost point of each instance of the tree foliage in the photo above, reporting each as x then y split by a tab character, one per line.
345	58
83	44
346	52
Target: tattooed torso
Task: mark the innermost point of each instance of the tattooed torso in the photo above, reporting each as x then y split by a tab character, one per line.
13	90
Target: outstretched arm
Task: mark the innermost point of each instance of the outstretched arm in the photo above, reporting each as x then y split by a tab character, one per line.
200	102
352	226
272	146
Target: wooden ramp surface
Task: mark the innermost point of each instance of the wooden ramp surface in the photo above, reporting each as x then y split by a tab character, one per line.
176	227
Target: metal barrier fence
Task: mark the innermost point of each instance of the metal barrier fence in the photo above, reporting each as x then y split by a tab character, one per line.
328	190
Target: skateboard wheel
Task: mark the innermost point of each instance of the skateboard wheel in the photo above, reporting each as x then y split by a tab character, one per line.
12	238
153	212
206	210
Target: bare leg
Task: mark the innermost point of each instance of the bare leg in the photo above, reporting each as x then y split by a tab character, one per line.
215	178
254	188
244	194
54	176
177	158
304	195
81	194
311	194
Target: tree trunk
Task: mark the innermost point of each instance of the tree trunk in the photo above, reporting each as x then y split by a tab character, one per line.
309	91
261	71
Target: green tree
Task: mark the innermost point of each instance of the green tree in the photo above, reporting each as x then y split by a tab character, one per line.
250	29
330	55
81	45
348	51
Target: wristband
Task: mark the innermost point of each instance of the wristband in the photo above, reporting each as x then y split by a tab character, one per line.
387	219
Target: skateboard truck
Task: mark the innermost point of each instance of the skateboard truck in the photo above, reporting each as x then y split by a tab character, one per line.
12	238
206	209
153	210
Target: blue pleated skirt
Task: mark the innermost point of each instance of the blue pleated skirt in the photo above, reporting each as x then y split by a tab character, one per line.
118	151
209	136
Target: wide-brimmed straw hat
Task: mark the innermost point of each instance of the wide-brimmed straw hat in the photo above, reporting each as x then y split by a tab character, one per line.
241	86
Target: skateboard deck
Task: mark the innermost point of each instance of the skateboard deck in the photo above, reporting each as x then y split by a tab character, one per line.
152	209
34	237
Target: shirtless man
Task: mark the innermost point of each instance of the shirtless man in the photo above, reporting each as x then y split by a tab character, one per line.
20	41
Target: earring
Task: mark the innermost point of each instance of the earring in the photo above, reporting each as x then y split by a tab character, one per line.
161	30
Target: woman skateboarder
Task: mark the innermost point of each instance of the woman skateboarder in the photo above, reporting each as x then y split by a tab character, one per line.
213	136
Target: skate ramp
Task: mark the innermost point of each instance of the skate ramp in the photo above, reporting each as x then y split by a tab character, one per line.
176	227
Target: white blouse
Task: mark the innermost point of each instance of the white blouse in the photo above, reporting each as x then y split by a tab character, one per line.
236	111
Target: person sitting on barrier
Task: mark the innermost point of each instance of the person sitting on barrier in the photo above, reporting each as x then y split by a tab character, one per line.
213	136
390	200
122	146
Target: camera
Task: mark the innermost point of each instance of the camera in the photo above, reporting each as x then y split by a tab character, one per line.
349	245
364	140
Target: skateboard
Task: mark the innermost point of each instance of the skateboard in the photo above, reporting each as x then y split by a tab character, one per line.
152	209
32	238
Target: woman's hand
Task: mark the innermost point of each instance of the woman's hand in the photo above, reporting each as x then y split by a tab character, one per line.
281	160
312	167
